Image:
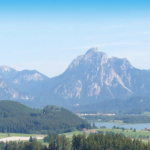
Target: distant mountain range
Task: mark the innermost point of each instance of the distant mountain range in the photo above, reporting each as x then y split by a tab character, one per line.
90	78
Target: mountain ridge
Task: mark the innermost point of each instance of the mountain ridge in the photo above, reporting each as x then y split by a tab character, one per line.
90	78
106	70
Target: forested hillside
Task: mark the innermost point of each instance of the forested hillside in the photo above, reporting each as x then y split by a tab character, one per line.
18	118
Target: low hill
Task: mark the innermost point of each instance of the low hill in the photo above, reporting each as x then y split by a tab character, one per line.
18	118
10	108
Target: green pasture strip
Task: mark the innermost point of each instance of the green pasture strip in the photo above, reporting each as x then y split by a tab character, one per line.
127	133
4	135
70	134
145	141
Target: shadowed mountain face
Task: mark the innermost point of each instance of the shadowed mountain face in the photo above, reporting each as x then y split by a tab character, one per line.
90	78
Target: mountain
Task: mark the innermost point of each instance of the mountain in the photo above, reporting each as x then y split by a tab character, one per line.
94	77
90	78
18	118
20	85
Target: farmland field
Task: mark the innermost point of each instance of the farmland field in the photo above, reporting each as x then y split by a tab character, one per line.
145	135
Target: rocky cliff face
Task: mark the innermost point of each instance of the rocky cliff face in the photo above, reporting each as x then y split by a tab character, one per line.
16	85
98	77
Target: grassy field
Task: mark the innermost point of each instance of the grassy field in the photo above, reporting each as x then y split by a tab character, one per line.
4	135
127	133
70	134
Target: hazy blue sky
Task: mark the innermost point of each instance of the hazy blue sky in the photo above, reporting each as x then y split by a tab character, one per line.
47	35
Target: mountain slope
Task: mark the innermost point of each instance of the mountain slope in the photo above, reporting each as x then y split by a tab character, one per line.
90	78
20	85
94	77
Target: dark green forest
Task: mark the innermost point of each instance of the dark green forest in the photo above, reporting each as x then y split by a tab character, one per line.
80	142
18	118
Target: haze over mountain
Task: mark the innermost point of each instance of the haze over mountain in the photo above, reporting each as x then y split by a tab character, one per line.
89	79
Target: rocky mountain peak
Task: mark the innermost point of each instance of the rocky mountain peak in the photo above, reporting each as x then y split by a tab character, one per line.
7	72
93	50
92	56
5	68
121	62
94	75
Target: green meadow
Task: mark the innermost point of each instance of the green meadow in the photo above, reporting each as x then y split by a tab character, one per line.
4	135
127	133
